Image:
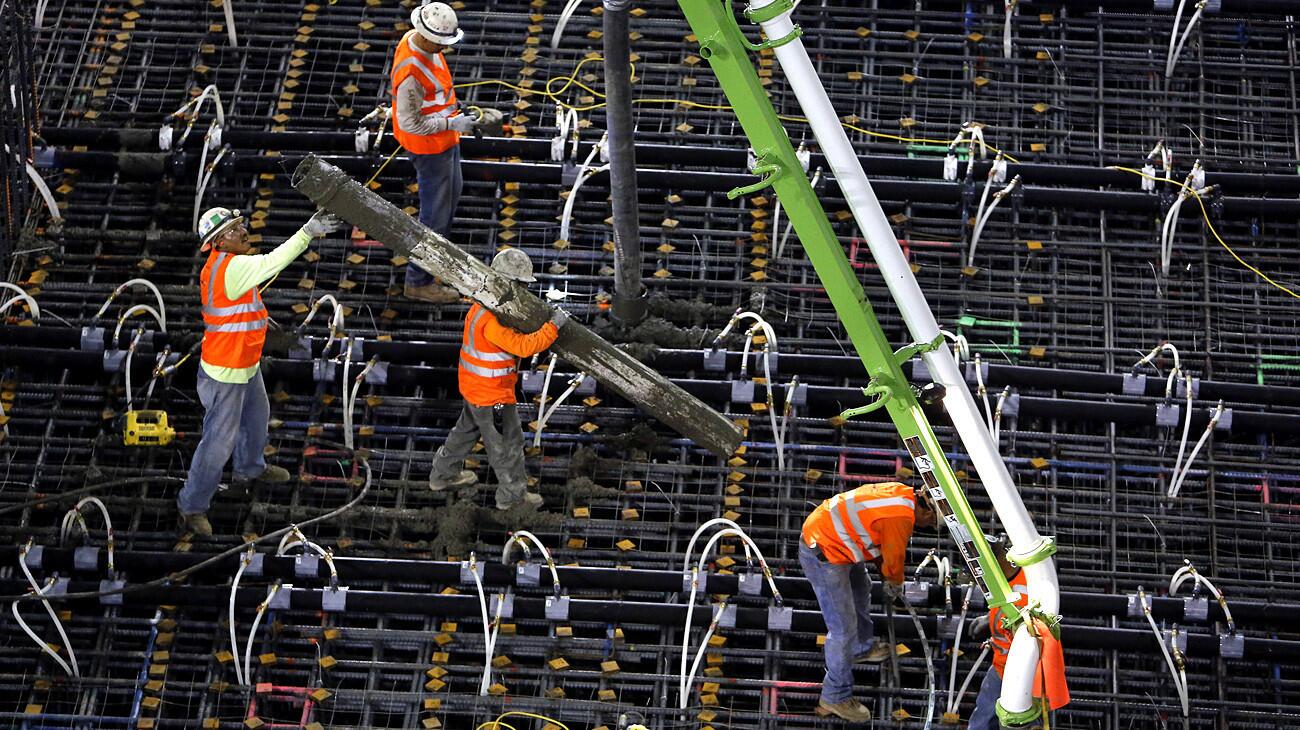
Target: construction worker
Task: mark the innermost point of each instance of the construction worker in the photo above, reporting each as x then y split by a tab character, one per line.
872	524
230	385
984	716
488	358
427	122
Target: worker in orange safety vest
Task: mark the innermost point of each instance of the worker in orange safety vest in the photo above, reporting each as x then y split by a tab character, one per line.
487	376
236	409
870	524
427	123
1049	680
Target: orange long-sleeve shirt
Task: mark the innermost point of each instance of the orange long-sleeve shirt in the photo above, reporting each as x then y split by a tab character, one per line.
488	363
517	343
895	532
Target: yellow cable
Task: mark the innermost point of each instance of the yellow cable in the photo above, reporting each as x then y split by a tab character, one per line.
1206	215
572	80
494	724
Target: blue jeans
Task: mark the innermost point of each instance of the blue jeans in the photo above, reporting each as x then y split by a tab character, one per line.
985	716
844	595
440	186
234	423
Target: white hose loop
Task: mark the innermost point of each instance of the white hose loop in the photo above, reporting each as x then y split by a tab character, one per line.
1182	443
954	697
126	368
521	538
5	307
960	346
988	214
563	21
1173	374
688	680
207	170
1178	674
350	403
121	288
487	644
699	568
566	218
337	324
132	310
72	671
252	633
301	542
1189	572
74	517
574	382
21	295
1173	39
997	413
1187	33
541	407
190	111
69	666
44	189
1177	484
244	561
954	704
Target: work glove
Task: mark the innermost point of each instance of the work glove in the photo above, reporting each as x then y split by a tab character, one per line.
978	628
463	123
559	318
892	591
321	224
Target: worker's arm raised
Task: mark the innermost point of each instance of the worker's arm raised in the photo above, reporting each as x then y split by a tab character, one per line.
517	343
246	272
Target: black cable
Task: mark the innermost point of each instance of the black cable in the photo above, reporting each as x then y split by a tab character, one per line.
172	577
84	490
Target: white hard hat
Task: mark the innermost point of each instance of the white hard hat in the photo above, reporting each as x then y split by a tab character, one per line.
437	23
214	222
513	263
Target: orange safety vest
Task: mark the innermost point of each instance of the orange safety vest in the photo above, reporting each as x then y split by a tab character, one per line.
844	525
487	372
233	329
999	637
439	96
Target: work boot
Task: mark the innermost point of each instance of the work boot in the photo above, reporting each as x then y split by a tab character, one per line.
530	499
197	524
431	293
273	475
463	479
879	653
849	710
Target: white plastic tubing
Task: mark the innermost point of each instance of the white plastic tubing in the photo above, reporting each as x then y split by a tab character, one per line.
975	437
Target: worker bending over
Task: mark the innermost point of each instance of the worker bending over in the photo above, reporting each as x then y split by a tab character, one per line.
230	385
1051	667
488	360
869	524
428	122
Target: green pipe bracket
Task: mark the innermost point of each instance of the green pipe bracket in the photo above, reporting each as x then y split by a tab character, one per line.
768	171
762	15
883	395
907	352
1040	551
1018	719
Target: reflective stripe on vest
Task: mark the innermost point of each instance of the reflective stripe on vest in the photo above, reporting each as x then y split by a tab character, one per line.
850	516
470	347
439	97
1000	638
234	330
